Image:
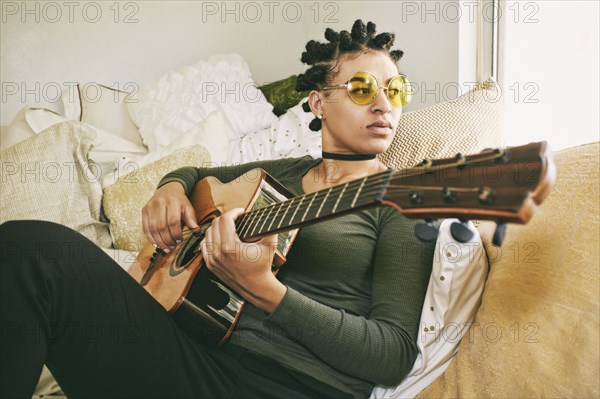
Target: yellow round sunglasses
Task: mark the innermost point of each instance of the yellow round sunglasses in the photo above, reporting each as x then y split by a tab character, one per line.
363	88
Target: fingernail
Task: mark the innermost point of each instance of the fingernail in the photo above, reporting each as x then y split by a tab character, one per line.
166	250
178	241
172	247
155	246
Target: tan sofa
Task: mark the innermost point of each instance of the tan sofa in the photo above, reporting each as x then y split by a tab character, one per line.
536	332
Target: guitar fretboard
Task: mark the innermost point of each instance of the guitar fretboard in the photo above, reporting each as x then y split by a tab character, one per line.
308	208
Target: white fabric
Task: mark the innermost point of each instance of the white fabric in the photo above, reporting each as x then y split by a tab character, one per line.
454	299
289	136
41	118
102	107
16	131
177	101
109	151
71	103
210	133
106	151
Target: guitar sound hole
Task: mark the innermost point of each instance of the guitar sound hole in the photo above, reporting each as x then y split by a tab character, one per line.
188	253
204	290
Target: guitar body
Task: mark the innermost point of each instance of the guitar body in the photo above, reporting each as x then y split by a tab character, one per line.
200	303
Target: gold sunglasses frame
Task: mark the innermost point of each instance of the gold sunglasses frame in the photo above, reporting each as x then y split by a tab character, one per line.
385	88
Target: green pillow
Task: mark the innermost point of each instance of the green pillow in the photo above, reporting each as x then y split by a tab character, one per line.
282	94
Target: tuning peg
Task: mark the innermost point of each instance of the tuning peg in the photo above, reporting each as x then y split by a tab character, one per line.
426	163
499	234
505	155
449	196
415	197
426	231
460	231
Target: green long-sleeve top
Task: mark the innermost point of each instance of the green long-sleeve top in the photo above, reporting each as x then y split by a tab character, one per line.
355	290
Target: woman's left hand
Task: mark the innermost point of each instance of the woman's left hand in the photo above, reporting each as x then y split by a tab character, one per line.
243	266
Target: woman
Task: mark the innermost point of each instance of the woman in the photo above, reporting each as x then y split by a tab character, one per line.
341	317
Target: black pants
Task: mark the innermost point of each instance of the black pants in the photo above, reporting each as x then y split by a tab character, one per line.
67	304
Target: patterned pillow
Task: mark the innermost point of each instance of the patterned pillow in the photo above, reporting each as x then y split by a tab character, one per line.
48	177
468	124
123	201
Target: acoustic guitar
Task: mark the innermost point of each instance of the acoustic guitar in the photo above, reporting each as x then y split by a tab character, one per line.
503	185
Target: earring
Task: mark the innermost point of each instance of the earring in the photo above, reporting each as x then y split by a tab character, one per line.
315	124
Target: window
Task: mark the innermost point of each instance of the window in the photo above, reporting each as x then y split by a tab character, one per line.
549	71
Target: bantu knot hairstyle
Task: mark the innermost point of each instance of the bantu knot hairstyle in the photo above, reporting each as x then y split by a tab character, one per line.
322	57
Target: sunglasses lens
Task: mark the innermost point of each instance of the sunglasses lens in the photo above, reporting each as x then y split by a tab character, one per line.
399	91
362	88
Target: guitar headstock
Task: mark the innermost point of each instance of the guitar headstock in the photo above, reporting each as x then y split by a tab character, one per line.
504	185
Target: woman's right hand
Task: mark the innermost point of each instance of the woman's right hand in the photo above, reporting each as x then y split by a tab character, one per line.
162	215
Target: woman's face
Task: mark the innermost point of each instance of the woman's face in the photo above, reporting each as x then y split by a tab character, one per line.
351	128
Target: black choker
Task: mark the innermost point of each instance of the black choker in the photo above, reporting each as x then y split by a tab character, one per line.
348	157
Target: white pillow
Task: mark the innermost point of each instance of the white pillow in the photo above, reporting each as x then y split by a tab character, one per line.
177	101
210	133
453	296
107	150
17	130
103	107
41	118
289	136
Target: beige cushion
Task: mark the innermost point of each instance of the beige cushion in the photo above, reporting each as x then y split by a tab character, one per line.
48	177
47	385
123	201
467	125
536	332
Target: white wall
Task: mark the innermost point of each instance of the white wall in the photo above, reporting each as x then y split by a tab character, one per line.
45	45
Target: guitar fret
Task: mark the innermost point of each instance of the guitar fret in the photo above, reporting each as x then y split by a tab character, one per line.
251	215
266	218
258	213
296	211
323	203
339	198
247	221
358	192
278	205
287	209
309	204
239	224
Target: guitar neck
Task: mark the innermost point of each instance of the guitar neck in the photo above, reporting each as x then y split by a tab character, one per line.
505	185
314	207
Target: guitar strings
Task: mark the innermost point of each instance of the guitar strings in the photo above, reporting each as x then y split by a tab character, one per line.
371	188
378	178
262	216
